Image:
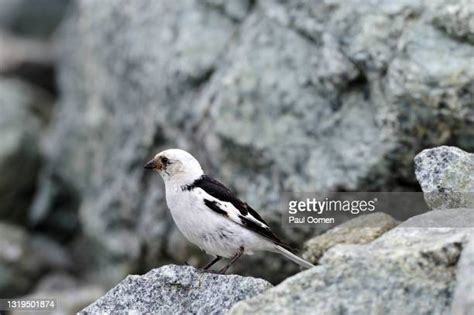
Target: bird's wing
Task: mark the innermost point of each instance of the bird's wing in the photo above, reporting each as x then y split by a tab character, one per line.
223	201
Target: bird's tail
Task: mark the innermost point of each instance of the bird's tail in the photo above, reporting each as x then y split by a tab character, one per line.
300	261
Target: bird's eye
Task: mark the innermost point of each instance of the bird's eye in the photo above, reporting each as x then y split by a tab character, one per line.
164	160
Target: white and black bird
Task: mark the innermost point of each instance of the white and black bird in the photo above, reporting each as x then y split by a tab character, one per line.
210	215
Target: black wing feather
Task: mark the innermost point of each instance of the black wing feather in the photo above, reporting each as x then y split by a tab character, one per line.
217	190
264	231
214	206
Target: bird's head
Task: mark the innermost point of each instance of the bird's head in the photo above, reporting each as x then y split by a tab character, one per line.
176	165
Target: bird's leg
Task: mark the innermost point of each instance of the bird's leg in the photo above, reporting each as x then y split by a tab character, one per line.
211	263
233	260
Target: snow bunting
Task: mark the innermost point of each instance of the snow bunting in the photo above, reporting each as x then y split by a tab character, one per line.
210	215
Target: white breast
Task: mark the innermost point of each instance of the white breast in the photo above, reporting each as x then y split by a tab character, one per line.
212	232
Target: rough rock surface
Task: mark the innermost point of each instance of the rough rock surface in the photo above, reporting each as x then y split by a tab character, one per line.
360	230
435	102
25	112
446	175
463	301
24	258
177	290
271	96
455	18
236	9
408	270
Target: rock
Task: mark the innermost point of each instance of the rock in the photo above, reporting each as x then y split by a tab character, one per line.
177	289
25	113
298	101
407	270
451	219
56	281
31	60
236	9
7	7
332	136
463	301
24	258
69	295
38	19
455	18
442	89
367	31
446	175
434	102
360	230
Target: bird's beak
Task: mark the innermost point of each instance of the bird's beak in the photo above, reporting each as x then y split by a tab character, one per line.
153	164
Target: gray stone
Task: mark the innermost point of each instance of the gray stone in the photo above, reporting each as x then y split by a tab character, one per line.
30	59
25	112
291	89
443	88
463	301
456	18
7	9
24	258
367	31
430	82
32	19
408	270
177	289
360	230
17	50
461	218
446	176
56	281
236	9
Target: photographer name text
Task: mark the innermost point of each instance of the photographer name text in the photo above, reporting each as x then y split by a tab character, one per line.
310	209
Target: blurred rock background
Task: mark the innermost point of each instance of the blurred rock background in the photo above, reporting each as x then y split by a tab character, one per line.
272	96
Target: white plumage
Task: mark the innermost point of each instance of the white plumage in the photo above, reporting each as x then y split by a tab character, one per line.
212	232
209	215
